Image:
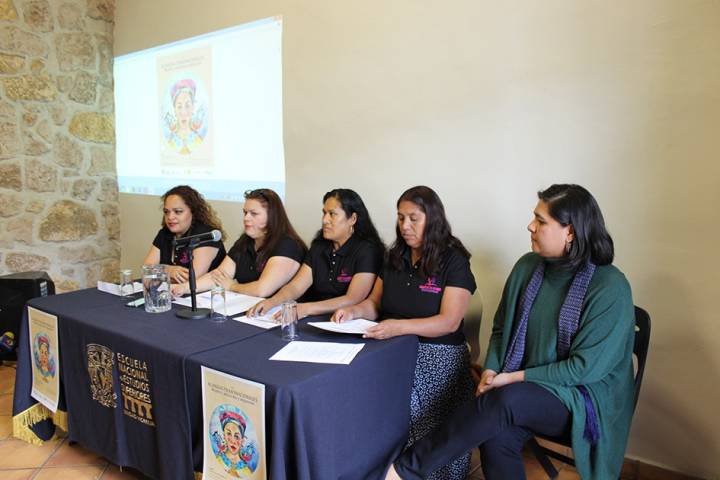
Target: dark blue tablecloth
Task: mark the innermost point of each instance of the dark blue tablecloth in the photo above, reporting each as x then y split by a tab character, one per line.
322	421
154	440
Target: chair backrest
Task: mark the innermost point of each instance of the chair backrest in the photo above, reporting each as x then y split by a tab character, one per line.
640	349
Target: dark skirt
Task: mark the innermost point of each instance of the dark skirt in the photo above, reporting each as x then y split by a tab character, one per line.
442	383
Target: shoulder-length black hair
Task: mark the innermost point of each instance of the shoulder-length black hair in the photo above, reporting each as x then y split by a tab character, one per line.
201	210
351	202
574	205
278	224
437	236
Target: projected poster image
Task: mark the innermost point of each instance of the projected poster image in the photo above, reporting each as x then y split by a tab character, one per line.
204	111
185	124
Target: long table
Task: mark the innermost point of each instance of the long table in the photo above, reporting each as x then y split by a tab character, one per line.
322	421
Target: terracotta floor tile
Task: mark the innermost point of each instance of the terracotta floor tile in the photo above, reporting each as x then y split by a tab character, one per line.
74	455
7	379
114	473
568	473
15	453
5	427
6	401
70	473
17	474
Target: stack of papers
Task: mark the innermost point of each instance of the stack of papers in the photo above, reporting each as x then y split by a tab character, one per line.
235	303
357	326
318	352
114	289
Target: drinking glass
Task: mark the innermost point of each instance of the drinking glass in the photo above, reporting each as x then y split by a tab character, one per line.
217	304
156	289
126	284
289	321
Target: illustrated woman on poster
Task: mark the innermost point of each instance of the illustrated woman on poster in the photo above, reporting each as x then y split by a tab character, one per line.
185	126
232	447
44	360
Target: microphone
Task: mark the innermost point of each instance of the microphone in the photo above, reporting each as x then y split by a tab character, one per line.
194	240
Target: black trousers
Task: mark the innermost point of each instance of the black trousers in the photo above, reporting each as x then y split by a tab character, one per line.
500	422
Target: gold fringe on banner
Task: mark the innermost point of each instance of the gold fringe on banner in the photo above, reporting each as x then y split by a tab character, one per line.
37	413
198	475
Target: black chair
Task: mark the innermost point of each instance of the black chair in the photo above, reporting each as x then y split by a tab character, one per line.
640	350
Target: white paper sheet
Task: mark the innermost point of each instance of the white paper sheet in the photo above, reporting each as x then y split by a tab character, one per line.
266	321
261	322
235	303
357	326
114	289
318	352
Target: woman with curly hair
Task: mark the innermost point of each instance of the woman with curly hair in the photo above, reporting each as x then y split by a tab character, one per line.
185	213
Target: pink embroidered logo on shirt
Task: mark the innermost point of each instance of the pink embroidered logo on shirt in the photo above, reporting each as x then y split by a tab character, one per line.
184	258
430	286
344	277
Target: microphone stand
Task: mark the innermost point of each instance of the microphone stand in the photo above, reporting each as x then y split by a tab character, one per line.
193	313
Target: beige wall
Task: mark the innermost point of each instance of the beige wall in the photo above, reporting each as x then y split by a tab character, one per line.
487	102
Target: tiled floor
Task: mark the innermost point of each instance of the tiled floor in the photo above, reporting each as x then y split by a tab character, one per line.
58	460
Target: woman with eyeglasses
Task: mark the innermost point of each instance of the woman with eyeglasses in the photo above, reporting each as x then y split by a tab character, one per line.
424	289
185	213
264	258
559	361
342	264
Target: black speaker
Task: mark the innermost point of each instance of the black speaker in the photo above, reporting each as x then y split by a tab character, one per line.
15	290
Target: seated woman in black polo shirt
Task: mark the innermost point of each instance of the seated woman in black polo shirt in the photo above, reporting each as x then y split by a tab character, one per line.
342	264
185	213
264	258
424	289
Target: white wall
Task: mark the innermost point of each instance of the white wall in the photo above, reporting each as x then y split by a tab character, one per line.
487	102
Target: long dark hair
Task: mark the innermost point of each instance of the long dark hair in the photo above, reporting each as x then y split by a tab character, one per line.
574	205
278	224
351	203
437	237
201	210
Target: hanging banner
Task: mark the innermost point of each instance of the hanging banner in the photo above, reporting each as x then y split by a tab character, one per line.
43	336
233	426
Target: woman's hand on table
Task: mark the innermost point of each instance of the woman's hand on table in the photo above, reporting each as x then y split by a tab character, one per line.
177	274
385	329
261	308
179	289
222	279
341	315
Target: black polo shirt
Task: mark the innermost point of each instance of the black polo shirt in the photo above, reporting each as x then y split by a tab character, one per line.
246	267
164	238
407	294
332	271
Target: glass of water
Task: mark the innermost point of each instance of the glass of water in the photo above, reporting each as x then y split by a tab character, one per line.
289	321
217	304
156	289
126	284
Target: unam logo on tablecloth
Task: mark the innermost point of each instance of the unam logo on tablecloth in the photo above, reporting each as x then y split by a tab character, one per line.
100	370
234	441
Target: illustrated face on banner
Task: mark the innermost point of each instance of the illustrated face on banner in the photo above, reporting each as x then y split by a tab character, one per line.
234	441
185	122
44	361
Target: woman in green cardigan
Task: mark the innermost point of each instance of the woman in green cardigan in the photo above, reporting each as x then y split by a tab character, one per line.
559	362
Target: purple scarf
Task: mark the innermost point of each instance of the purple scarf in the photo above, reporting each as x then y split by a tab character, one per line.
567	328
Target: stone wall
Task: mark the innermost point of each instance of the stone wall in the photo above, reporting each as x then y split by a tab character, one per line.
58	184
